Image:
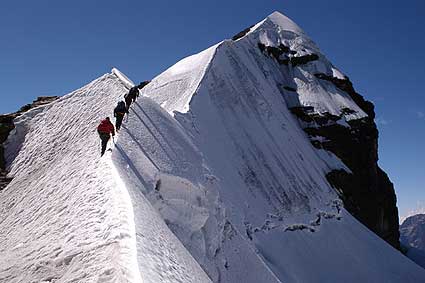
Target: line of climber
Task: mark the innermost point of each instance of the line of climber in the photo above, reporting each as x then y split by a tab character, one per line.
106	128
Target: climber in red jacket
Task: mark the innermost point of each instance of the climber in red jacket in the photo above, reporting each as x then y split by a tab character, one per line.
105	130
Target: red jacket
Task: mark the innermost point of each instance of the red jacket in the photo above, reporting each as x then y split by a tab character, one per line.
106	127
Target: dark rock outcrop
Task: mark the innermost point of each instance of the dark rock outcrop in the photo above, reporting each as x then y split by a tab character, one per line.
41	100
7	125
288	88
276	52
283	51
241	34
367	193
4	180
301	60
347	86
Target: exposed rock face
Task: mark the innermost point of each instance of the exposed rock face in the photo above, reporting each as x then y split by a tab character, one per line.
4	180
285	56
241	34
41	100
367	193
412	237
412	231
347	86
7	125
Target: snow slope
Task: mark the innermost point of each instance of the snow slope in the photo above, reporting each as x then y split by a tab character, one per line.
67	216
210	179
269	178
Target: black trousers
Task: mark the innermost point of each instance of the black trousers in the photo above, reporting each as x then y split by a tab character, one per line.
118	121
128	103
104	138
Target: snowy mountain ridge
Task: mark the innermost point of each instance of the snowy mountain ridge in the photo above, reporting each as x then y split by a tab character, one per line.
212	178
275	30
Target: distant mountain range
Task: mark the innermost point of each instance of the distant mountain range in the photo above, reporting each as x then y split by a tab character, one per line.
412	237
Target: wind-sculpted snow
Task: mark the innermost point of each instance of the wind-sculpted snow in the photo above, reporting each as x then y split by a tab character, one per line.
62	217
157	159
67	216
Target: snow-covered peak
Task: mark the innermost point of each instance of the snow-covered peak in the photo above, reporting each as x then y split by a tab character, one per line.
288	52
279	22
284	22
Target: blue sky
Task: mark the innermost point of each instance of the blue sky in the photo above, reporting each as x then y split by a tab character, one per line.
53	47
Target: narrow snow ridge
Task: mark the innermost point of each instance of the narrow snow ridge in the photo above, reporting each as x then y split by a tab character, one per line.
123	78
67	215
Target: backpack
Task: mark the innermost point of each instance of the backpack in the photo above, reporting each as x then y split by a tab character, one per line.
121	107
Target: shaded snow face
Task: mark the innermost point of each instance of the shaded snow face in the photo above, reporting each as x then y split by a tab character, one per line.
158	160
263	136
269	179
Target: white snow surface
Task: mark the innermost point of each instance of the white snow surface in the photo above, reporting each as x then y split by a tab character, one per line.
67	216
211	178
179	83
285	23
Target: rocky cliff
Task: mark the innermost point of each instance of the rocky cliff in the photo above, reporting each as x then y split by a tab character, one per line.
367	191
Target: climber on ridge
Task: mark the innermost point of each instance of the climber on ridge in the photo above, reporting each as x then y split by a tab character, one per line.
119	112
133	93
105	129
